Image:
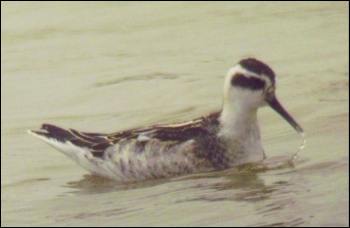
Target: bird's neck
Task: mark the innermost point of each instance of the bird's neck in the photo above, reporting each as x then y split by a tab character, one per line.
239	130
238	119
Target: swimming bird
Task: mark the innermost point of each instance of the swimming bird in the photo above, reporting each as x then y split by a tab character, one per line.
220	140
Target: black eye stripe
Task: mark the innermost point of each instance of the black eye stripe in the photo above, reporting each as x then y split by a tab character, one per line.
248	83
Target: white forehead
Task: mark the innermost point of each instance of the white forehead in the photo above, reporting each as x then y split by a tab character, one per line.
238	69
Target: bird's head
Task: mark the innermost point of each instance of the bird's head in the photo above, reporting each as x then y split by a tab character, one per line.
251	84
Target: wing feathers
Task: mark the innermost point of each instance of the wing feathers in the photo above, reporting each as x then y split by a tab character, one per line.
97	143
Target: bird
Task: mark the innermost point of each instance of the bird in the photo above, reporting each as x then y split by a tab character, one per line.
219	140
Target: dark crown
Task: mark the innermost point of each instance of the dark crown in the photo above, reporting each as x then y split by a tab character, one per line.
258	67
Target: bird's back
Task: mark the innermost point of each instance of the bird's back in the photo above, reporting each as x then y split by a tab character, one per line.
142	153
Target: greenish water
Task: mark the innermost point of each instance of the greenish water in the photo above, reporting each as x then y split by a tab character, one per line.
111	66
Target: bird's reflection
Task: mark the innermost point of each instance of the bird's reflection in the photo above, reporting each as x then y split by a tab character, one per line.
236	185
92	184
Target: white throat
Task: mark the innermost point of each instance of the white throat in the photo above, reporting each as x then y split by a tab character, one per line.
238	121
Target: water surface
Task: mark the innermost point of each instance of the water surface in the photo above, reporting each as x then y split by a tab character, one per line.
112	66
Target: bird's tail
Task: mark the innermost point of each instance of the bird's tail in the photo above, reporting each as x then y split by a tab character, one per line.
84	148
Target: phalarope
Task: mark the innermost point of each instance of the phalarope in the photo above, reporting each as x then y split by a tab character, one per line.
219	140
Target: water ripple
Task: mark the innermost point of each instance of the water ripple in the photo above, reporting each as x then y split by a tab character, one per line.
143	77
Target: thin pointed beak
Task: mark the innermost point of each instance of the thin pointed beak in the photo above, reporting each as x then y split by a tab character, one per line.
276	105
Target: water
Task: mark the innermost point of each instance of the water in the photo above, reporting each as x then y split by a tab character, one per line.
112	66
